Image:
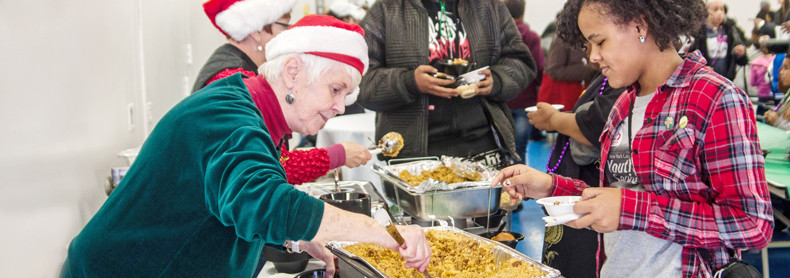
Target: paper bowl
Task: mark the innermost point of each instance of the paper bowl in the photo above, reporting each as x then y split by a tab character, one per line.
535	108
559	205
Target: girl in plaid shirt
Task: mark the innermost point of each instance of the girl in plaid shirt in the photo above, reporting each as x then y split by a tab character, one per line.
682	175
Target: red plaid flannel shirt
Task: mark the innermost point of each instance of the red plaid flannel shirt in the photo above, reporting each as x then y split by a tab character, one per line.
704	179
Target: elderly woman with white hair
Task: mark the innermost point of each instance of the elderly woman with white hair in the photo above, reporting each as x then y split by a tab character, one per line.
207	190
249	25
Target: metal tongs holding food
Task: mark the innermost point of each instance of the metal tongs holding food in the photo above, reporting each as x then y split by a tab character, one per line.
389	145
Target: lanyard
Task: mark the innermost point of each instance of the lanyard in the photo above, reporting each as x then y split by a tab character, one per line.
630	123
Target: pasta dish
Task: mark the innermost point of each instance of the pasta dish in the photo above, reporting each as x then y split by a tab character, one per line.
453	255
441	173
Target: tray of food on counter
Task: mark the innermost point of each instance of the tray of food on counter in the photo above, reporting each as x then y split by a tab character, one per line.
443	187
455	253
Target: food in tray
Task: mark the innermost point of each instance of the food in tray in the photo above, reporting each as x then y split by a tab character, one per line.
441	173
453	255
503	237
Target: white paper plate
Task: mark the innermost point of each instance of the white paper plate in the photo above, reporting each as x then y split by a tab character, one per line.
535	108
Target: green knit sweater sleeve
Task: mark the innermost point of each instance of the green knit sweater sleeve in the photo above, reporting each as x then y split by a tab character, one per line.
245	185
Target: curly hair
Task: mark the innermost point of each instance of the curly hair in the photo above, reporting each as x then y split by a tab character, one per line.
666	20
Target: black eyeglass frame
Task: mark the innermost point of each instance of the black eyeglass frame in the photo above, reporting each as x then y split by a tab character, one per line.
286	25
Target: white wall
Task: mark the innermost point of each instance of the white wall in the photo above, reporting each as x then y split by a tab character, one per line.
69	71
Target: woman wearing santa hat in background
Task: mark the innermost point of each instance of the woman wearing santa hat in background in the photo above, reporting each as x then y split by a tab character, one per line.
249	25
207	191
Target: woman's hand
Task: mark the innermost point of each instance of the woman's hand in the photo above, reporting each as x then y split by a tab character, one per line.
415	250
522	181
318	250
356	154
786	114
541	119
600	209
771	117
484	86
432	85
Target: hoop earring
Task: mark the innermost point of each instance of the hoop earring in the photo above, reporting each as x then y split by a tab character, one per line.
290	98
642	39
260	48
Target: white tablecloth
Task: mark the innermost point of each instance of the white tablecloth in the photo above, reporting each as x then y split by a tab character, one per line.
357	128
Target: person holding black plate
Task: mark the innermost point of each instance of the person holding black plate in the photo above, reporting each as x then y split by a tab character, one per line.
408	40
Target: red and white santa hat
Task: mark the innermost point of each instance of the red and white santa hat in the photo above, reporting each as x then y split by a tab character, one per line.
238	19
323	36
327	37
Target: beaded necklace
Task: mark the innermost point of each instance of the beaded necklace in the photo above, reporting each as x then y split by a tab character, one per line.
550	169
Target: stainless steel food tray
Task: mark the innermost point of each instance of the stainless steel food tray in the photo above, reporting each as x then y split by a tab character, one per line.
361	268
463	202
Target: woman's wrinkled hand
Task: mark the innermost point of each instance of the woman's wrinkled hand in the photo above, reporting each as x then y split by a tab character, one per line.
318	250
600	209
523	181
415	250
428	84
541	118
356	154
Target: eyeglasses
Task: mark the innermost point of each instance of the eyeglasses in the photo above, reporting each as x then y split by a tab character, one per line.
285	25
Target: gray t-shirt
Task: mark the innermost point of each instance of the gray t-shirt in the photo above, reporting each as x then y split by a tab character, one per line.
635	253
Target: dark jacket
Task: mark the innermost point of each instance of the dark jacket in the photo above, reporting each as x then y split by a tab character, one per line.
397	35
225	57
733	39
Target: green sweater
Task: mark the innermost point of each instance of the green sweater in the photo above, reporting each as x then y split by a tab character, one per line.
204	195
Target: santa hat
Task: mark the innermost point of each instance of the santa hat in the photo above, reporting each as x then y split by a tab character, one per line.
323	36
238	19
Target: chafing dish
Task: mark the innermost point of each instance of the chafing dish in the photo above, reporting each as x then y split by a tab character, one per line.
354	266
460	200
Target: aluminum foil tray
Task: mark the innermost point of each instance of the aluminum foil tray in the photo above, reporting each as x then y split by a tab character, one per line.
474	200
354	266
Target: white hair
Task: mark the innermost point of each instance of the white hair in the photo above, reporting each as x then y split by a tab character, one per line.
315	66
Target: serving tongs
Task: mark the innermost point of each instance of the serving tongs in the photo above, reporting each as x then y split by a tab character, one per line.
383	216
